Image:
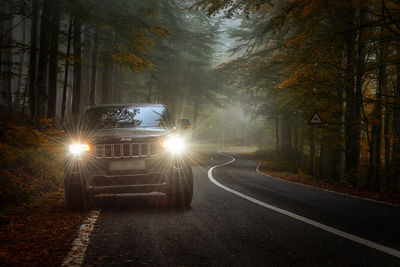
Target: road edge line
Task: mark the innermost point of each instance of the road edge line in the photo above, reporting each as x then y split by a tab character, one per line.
323	189
77	253
316	224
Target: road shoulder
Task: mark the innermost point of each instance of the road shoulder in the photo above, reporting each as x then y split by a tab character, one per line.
40	234
270	170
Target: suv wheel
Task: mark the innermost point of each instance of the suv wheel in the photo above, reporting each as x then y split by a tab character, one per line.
180	192
76	196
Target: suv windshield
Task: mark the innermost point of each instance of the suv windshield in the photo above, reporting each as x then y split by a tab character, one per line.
127	117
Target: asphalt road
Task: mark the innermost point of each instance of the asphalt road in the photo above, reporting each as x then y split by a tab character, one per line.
224	229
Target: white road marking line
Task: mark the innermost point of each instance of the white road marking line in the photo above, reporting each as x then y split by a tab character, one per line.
323	189
77	252
324	227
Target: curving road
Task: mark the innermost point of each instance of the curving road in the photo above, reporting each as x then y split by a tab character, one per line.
284	226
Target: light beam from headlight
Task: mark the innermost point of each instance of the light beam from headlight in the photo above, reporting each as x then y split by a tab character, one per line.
174	144
77	149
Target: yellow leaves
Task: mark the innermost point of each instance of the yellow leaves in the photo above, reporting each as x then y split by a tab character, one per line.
40	233
152	13
300	40
30	162
288	82
311	6
308	8
131	61
159	31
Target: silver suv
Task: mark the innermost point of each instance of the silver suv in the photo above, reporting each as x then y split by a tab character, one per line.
126	148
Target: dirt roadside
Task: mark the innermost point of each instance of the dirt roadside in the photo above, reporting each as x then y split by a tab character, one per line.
271	169
40	234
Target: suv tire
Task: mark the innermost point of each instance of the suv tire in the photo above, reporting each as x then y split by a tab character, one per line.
77	198
180	190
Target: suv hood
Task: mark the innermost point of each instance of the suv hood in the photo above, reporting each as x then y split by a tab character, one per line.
115	135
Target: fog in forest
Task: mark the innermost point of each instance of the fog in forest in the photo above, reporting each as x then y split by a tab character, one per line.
245	73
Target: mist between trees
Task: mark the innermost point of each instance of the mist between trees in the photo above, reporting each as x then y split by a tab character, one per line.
288	60
58	57
339	58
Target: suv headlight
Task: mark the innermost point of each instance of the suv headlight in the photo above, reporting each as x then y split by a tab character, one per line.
77	149
174	144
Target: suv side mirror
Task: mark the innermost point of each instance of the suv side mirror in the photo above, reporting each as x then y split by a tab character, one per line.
184	124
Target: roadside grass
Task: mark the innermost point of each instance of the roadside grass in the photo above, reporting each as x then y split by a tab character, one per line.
273	166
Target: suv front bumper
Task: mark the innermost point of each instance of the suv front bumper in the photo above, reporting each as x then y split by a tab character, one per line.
97	178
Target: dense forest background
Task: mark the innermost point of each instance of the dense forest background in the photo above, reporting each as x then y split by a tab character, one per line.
246	73
58	57
338	58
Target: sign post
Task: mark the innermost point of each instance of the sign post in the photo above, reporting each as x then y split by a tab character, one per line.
315	121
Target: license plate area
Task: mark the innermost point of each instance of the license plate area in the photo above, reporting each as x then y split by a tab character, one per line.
126	165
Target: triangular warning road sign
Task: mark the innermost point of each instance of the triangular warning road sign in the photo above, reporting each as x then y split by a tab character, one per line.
316	119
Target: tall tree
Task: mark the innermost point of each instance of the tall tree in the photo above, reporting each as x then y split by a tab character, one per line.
32	59
41	83
21	65
77	82
53	61
106	78
93	75
351	123
7	50
66	70
395	171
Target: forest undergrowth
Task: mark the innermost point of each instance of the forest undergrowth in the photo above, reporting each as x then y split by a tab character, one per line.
30	164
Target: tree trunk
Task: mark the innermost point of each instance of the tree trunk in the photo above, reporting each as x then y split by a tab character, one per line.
196	107
388	116
6	90
66	72
277	134
149	92
300	162
360	72
32	59
313	152
296	144
77	67
376	133
21	64
324	158
286	137
106	83
352	159
93	75
53	66
2	43
395	162
387	133
43	61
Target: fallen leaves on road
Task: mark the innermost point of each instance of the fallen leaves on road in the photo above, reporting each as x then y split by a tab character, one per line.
270	169
41	234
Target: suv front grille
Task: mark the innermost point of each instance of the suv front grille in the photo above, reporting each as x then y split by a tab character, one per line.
125	150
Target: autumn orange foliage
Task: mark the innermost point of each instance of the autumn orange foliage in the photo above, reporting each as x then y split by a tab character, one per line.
30	163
